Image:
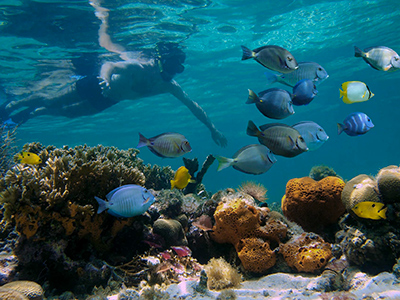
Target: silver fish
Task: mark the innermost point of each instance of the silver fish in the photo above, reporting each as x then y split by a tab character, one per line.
272	103
306	70
126	201
169	144
313	134
272	57
252	159
380	58
280	138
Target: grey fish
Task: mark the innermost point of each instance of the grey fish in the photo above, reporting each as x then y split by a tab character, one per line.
272	57
126	201
273	103
280	138
169	144
306	70
313	134
252	159
380	58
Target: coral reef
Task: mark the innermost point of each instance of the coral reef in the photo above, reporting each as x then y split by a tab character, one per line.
7	148
9	294
29	289
313	204
306	253
320	172
256	190
239	223
52	208
372	245
221	275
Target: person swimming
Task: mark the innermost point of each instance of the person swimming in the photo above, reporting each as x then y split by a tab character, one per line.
138	75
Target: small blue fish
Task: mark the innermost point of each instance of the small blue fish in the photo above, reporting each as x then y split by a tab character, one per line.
304	92
126	201
9	124
313	134
355	124
272	103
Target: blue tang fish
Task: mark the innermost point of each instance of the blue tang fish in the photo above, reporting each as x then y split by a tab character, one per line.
304	92
126	201
356	123
272	103
313	134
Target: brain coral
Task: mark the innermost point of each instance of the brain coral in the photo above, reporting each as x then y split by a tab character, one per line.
30	289
306	253
313	204
9	294
388	182
360	188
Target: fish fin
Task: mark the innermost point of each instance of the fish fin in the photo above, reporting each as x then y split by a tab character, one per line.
223	162
358	52
269	125
253	98
142	141
247	53
156	152
340	128
382	213
252	129
102	205
192	181
292	142
387	67
172	184
346	100
271	78
341	93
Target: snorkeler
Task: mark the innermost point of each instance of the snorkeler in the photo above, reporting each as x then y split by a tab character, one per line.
138	75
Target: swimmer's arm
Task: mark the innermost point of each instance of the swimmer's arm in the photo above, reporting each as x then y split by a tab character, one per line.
198	112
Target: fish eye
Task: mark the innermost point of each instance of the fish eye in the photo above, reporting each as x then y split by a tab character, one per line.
373	205
289	58
319	69
301	139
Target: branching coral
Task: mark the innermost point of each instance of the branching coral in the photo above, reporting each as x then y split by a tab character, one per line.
7	148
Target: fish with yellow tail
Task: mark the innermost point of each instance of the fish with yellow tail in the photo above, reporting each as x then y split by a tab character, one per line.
370	210
181	178
355	91
28	158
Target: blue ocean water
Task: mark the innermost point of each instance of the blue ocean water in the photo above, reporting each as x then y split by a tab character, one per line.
37	37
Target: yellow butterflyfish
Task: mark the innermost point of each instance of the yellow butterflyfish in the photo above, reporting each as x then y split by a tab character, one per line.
181	179
355	91
370	210
29	158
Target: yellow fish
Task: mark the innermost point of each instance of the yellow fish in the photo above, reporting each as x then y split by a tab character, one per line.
355	91
181	179
370	210
29	158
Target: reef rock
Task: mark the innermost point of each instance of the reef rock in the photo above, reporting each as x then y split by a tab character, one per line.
171	230
313	204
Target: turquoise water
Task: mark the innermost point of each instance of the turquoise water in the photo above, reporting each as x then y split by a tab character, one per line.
36	35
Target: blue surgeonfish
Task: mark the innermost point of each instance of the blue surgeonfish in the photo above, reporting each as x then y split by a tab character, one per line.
281	139
169	144
313	134
306	70
272	57
126	201
252	159
304	92
380	58
356	123
355	91
272	103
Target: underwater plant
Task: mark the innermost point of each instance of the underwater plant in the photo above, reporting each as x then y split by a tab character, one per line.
221	275
320	172
256	190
